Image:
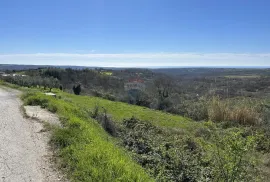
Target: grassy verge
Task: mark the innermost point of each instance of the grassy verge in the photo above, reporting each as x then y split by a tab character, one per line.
88	152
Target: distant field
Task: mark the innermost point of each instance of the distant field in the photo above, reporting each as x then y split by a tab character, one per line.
242	76
107	73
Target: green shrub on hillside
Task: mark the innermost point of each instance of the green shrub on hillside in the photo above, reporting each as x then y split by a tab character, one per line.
234	157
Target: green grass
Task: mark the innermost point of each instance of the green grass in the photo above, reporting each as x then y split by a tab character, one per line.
120	111
88	152
10	85
107	73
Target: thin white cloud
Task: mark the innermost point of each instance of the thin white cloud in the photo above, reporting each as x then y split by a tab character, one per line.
140	59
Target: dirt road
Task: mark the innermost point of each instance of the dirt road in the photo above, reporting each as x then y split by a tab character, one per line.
24	152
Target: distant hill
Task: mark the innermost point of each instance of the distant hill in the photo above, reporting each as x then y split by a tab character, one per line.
199	72
25	67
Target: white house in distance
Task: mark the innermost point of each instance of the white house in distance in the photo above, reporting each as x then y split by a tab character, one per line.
4	74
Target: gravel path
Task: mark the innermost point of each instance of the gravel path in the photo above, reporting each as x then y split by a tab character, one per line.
24	150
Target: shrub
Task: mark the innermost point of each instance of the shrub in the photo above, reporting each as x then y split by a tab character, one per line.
26	95
95	112
108	125
164	104
34	101
96	93
109	97
232	157
77	89
196	110
164	153
51	108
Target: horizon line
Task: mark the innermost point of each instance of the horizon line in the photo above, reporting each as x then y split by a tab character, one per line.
148	67
142	59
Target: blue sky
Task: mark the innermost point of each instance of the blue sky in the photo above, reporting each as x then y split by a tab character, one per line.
135	33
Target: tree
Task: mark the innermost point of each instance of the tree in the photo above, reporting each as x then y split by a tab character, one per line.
77	89
54	83
164	85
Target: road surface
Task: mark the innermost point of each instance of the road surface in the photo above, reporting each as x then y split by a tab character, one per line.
24	150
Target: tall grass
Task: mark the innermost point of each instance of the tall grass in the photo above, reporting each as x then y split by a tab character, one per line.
217	110
242	112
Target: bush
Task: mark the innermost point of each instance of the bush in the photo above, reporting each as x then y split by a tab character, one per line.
167	156
164	104
196	110
109	97
233	159
34	101
96	93
95	112
143	99
108	125
51	108
77	89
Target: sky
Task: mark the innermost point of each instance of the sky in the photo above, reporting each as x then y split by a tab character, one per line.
135	33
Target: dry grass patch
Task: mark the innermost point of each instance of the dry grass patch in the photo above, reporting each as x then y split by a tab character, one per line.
224	110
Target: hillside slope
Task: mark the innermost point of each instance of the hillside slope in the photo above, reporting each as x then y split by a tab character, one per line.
149	145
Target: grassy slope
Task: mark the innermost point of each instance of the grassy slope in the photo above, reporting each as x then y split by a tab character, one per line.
120	111
88	152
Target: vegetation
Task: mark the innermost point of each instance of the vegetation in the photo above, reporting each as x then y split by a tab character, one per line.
184	91
241	113
87	152
77	89
168	147
105	138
